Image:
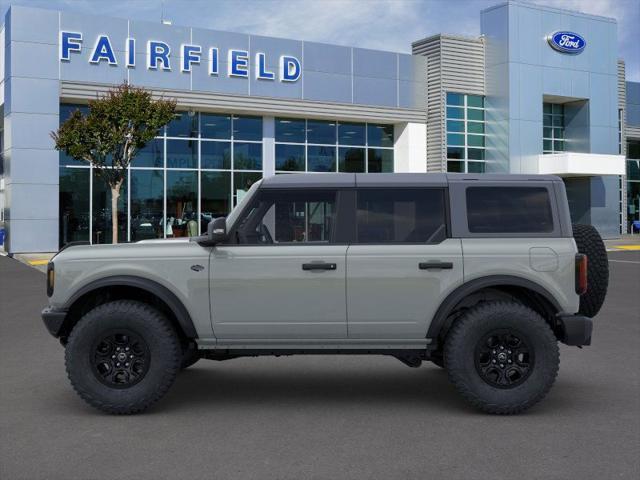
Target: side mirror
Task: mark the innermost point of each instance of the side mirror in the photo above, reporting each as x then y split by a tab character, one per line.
217	230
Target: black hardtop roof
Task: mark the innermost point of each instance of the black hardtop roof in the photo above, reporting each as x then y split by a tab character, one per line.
343	180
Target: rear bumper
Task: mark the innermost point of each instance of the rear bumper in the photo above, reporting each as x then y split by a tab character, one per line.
54	320
575	330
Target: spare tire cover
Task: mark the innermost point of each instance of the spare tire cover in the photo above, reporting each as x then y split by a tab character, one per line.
590	243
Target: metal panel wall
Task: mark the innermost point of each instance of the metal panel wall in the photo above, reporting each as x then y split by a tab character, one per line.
201	101
622	111
329	73
30	114
622	103
454	64
522	69
632	108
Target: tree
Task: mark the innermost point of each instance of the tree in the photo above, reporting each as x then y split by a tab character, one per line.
117	126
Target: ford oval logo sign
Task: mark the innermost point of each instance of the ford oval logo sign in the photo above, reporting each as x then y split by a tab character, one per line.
567	42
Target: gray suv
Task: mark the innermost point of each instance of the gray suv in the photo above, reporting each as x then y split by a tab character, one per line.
482	275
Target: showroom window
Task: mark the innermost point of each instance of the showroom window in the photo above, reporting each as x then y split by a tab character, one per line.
196	169
74	204
329	146
552	128
633	184
465	130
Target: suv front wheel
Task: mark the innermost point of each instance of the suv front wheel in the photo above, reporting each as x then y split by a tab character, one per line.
122	356
502	357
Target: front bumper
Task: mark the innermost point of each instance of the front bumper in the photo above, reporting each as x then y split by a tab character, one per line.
575	330
54	320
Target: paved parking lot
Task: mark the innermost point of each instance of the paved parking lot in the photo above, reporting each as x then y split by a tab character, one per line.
320	417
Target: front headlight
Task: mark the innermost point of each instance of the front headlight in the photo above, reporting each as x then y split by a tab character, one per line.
51	278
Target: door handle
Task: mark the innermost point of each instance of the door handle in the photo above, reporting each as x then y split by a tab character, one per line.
435	265
319	266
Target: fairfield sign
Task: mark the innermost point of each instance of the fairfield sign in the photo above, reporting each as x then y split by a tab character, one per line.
159	56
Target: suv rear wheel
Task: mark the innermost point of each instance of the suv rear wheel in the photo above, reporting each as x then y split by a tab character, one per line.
122	357
502	357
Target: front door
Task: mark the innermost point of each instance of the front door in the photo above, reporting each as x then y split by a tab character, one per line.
401	265
283	277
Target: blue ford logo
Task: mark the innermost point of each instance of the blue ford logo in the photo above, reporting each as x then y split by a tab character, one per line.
567	42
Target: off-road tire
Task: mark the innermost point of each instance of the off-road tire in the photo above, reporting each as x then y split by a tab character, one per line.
590	243
190	355
164	351
470	330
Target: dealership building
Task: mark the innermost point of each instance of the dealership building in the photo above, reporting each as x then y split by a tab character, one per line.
540	91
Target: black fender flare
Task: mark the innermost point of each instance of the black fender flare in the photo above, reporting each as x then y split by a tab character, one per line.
439	321
167	296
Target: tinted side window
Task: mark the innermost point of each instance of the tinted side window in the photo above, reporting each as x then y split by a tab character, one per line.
295	216
407	215
509	210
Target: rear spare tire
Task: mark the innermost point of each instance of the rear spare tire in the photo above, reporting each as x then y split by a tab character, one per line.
590	243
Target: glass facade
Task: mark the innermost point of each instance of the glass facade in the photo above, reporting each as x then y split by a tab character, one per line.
74	204
633	185
465	130
552	128
195	170
330	146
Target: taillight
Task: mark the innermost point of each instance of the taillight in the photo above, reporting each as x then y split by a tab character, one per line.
51	278
581	273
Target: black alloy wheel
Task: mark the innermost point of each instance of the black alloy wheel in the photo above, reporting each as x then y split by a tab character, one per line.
120	359
504	359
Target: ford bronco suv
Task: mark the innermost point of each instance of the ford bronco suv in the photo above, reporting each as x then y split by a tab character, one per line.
482	275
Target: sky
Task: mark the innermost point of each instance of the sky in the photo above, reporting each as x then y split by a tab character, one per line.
378	24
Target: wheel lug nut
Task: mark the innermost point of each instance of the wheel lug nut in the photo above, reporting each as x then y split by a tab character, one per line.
126	364
508	361
508	351
117	349
130	356
118	364
127	349
494	351
113	356
502	365
493	361
501	347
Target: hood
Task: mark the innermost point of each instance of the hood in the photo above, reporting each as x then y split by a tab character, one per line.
143	248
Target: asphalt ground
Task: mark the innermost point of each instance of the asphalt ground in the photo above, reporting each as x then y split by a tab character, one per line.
320	417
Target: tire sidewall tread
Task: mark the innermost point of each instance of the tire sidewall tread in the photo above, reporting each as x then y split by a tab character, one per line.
162	342
589	242
459	356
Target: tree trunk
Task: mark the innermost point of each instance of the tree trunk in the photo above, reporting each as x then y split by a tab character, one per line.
115	194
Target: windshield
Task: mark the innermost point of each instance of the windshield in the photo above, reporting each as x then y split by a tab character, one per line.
232	217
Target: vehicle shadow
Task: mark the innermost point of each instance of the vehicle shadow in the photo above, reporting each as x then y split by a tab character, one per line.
213	384
239	386
424	390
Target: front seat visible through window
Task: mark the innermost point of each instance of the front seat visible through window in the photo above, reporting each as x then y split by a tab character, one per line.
283	275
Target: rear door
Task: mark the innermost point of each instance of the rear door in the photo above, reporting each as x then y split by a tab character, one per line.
402	263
